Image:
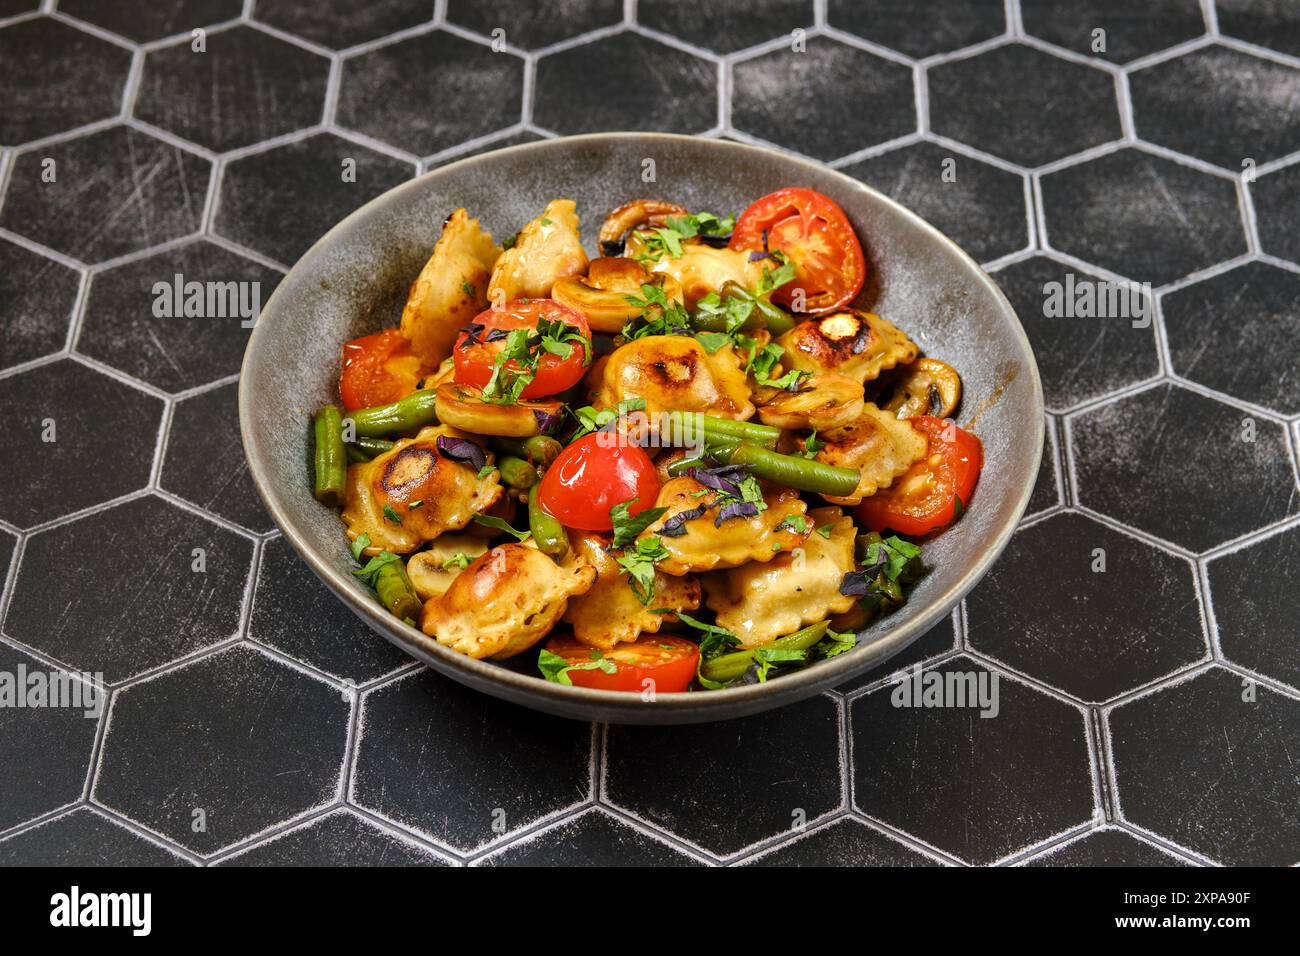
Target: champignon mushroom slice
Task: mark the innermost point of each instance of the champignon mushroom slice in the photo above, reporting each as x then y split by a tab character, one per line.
823	401
926	387
630	215
603	294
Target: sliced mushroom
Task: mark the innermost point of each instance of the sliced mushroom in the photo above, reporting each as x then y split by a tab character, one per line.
464	407
630	215
602	294
926	387
823	401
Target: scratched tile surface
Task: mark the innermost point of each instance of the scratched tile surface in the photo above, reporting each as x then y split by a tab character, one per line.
1141	624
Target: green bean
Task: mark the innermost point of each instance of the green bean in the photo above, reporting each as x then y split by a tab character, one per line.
364	449
538	449
549	534
396	591
516	472
803	474
356	455
686	426
330	457
765	314
403	415
729	667
777	320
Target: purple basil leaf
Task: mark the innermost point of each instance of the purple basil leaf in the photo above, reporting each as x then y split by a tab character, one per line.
464	451
546	421
736	509
757	254
675	526
496	335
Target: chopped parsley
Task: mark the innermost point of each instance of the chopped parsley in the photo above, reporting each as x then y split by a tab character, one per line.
834	644
659	314
590	420
459	560
638	562
812	445
796	523
360	545
515	365
766	657
556	668
667	239
391	515
825	531
627	526
371	570
492	521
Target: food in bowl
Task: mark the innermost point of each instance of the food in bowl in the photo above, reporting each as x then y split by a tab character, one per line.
685	464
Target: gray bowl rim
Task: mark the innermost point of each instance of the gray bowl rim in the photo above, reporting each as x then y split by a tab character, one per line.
619	706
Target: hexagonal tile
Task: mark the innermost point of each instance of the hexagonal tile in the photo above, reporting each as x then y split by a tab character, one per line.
222	748
593	838
422	761
1023	105
174	351
661	88
1256	606
103	440
294	612
343	23
487	88
1047	486
1248	350
1277	208
846	842
1081	354
45	750
116	191
1154	459
55	78
341	838
1218	104
514	139
981	207
138	601
979	788
7	544
1270	23
1145	217
785	96
1107	847
205	460
725	27
748	779
84	838
280	201
246	87
36	299
919	28
145	20
940	639
1050	626
9	8
1129	31
537	24
1207	763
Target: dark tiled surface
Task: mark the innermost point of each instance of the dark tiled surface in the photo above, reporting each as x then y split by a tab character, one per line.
1216	88
101	440
919	27
280	201
1046	625
1023	105
145	604
1129	30
247	87
1180	754
660	88
980	207
1152	460
172	351
56	77
257	743
978	788
222	748
784	97
1144	217
136	190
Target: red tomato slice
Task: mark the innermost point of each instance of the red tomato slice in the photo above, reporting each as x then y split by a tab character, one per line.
816	235
595	473
925	497
474	360
377	369
667	662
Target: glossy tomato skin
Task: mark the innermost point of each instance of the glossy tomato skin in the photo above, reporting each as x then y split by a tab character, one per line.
474	361
925	497
595	473
668	662
377	369
815	233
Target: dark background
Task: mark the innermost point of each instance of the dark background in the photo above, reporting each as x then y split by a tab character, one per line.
1149	713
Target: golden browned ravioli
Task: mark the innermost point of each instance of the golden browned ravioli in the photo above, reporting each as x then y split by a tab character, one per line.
546	249
857	345
821	401
880	446
675	372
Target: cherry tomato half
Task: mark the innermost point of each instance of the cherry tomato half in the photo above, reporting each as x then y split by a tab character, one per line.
668	662
377	369
814	232
925	497
554	374
595	473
